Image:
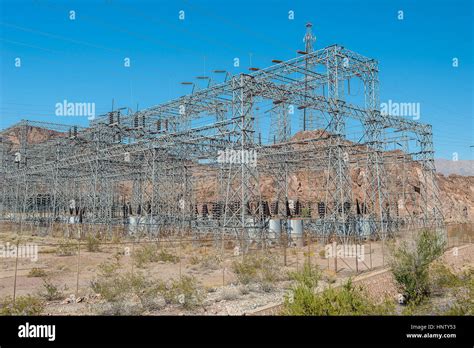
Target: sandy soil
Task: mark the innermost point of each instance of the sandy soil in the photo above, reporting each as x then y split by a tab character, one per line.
224	295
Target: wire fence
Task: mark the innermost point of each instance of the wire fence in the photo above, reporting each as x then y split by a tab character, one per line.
72	263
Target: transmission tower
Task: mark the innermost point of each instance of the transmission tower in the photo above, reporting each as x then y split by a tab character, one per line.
309	120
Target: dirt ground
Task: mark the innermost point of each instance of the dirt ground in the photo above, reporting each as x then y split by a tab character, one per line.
210	265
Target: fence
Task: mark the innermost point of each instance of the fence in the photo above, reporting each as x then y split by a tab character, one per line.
72	263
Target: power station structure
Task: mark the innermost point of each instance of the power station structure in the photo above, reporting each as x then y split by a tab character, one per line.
224	160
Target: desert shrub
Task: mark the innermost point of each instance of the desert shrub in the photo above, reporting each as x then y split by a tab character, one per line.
146	290
261	269
269	272
246	269
151	253
306	212
464	303
119	308
450	293
109	269
230	294
145	254
165	256
464	294
120	291
183	291
244	290
212	261
66	247
309	276
50	291
194	260
347	300
24	305
107	281
36	273
116	238
410	264
92	243
442	277
150	298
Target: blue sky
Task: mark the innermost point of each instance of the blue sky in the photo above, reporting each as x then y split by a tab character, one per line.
82	60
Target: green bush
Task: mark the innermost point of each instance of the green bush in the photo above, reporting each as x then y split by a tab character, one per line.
24	305
212	261
183	291
151	253
261	269
309	276
441	277
120	291
165	256
245	270
36	273
51	292
464	295
347	300
410	264
93	243
306	212
109	283
450	293
66	247
194	260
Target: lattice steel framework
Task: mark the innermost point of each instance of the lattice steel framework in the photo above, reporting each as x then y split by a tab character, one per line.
162	169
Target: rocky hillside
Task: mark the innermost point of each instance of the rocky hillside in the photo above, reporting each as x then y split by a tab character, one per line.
34	135
456	191
403	179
